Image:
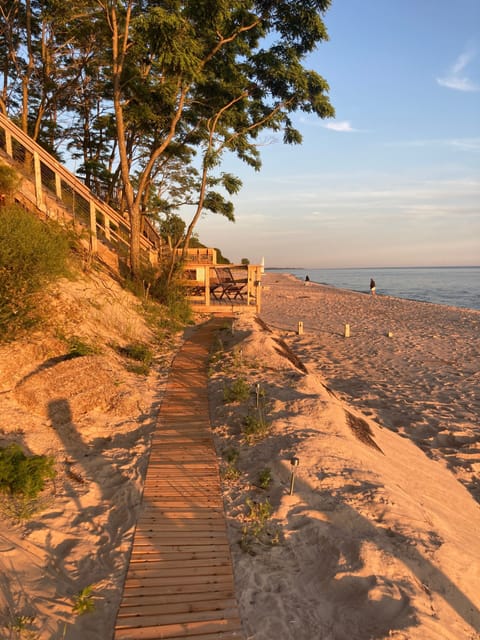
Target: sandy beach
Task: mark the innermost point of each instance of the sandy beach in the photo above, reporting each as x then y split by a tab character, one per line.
379	538
422	381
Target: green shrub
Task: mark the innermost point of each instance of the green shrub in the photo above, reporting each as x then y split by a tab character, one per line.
77	348
255	428
9	180
230	472
258	528
238	391
24	475
31	253
141	354
84	602
171	293
265	478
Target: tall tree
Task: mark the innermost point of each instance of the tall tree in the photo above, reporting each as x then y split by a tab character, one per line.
212	73
153	83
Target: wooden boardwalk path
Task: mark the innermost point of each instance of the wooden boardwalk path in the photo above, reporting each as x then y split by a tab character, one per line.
179	582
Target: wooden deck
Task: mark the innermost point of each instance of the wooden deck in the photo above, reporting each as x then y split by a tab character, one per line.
179	582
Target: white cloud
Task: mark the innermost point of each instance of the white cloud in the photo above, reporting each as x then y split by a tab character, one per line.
463	144
340	125
455	78
466	144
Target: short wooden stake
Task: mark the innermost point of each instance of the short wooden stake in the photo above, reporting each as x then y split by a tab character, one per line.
294	462
390	334
347	331
300	328
257	391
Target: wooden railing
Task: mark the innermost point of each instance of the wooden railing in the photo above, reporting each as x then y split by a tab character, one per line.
58	193
216	288
200	255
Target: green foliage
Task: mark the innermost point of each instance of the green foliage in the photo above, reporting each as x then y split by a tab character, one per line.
141	354
238	391
170	292
21	474
78	348
265	478
202	78
21	628
230	472
258	528
31	253
84	602
255	427
9	180
22	478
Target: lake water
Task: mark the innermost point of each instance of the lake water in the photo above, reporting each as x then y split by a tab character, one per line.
454	286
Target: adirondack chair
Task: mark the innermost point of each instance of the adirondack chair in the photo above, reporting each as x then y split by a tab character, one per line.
227	286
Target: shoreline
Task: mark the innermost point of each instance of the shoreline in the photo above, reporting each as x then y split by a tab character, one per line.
366	291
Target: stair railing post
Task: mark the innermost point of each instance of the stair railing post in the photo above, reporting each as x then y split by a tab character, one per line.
93	227
58	186
8	143
38	181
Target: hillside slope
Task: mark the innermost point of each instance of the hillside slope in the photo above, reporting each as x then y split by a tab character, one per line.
376	541
94	414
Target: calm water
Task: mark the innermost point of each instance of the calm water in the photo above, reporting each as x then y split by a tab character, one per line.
454	286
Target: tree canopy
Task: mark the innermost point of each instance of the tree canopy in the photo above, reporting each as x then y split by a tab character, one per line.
148	95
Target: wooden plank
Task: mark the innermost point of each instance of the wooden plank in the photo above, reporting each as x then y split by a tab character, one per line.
154	583
180	514
177	560
165	619
181	484
133	601
183	590
153	633
146	609
196	525
191	623
178	549
184	501
157	538
157	569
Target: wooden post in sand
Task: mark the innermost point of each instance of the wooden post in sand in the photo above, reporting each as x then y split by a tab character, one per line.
300	328
294	462
347	331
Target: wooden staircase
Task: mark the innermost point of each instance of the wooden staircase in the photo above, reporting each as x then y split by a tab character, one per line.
51	189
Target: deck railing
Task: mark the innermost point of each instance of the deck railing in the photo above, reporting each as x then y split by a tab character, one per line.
210	289
58	193
202	255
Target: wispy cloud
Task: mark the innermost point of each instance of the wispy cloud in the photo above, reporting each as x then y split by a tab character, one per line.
456	77
343	126
466	144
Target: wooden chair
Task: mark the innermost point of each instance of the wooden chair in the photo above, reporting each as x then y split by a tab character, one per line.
227	286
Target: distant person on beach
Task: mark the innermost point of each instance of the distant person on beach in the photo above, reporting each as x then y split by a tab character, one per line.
307	279
372	286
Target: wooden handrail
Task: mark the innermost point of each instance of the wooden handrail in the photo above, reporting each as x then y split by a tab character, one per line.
76	185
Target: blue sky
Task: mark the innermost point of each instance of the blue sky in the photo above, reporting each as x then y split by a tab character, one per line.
394	179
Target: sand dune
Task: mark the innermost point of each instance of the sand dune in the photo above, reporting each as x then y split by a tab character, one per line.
379	539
